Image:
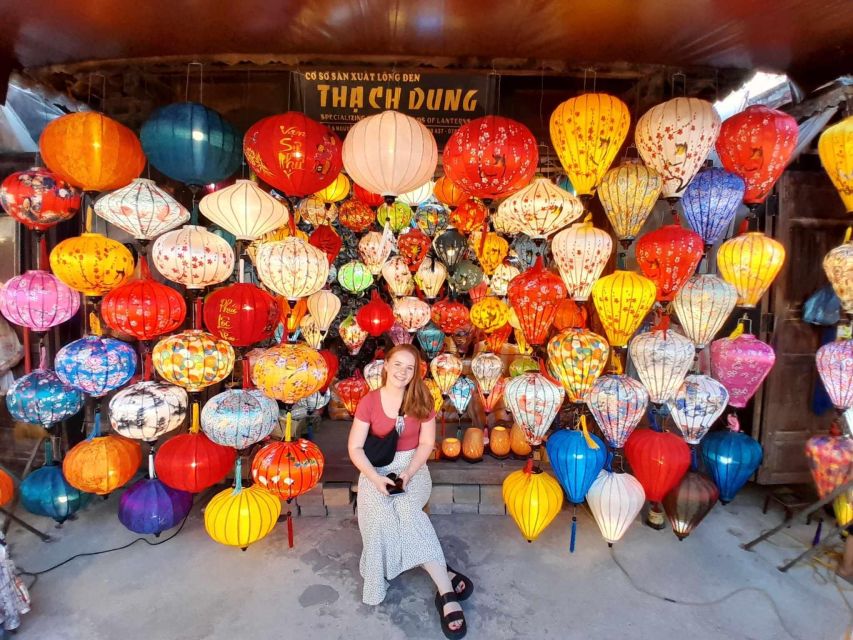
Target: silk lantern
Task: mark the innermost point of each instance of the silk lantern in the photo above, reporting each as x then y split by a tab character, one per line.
570	315
142	209
355	215
486	368
460	394
615	499
662	359
534	401
757	144
91	263
435	392
239	418
587	132
659	461
244	209
581	253
533	499
830	461
41	397
46	492
628	194
468	216
491	252
400	335
503	275
241	314
431	218
38	300
398	277
372	375
147	410
617	403
324	307
193	256
355	277
450	247
449	193
418	195
697	404
327	240
310	333
288	469
101	464
466	275
316	212
373	249
292	267
412	313
668	256
446	369
622	300
533	296
741	364
731	458
489	314
396	216
311	405
332	364
352	335
413	246
675	137
289	372
431	339
750	262
688	504
504	221
96	365
578	357
38	199
838	265
711	202
352	390
835	148
193	359
150	507
239	517
450	316
336	191
542	208
367	197
702	305
91	151
835	366
375	317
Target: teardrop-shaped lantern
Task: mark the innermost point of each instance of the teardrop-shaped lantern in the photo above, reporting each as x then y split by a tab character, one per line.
193	359
503	275
395	216
741	364
628	193
356	216
351	391
615	499
38	300
688	504
697	404
324	307
750	262
430	277
570	315
658	459
504	221
372	375
412	313
731	458
316	212
193	256
835	366
711	201
668	256
148	410
450	247
292	267
533	296
96	365
466	275
489	314
486	368
838	265
450	316
413	246
142	209
289	372
622	300
577	357
431	339
575	463
533	499
835	148
830	461
460	394
534	401
398	277
617	403
38	199
702	305
542	208
581	253
92	263
446	369
244	209
491	251
662	359
352	334
374	250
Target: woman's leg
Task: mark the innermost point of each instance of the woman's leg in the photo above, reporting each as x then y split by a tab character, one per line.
438	572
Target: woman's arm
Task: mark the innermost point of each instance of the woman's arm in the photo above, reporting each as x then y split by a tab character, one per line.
426	444
355	448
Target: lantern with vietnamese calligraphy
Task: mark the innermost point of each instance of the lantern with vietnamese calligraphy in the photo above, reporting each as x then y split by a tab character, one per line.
581	253
503	275
622	300
396	216
147	410
838	265
374	251
450	316
489	314
688	503
336	191
615	499
91	263
741	364
446	369
142	209
697	404
578	357
430	277
355	277
324	307
193	359
702	305
711	201
542	208
469	215
835	148
533	296
375	317
449	193
193	256
244	209
351	390
38	199
412	313
292	267
662	359
413	246
617	403
398	277
431	339
38	300
628	194
289	372
534	401
352	334
731	458
239	418
431	218
239	517
835	366
450	247
96	365
355	215
750	262
668	256
101	464
533	499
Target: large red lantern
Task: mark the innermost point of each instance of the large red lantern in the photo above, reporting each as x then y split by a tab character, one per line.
351	390
288	469
757	145
534	296
293	153
332	365
413	246
376	317
450	316
367	197
669	256
658	460
327	241
38	199
491	157
241	314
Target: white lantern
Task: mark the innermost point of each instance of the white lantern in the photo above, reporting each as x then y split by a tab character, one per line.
534	401
628	194
697	404
244	209
390	153
292	267
310	332
615	499
373	374
419	195
305	407
412	313
504	221
581	253
147	410
193	256
662	359
324	307
542	208
487	368
316	212
838	265
675	137
239	418
702	305
374	249
398	276
142	209
499	282
430	276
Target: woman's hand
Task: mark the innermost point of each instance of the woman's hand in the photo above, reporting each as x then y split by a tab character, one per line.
382	483
405	476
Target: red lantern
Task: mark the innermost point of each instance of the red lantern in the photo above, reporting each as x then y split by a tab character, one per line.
376	317
288	469
449	194
367	197
469	216
293	153
192	462
144	308
332	365
570	315
38	199
496	339
757	145
658	459
688	504
491	157
242	314
534	295
450	316
669	256
351	390
413	246
327	241
355	215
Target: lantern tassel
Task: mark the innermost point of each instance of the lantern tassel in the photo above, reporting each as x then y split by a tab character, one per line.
195	425
592	444
146	363
247	374
738	330
96	430
42	357
289	530
734	423
288	427
238	476
574	528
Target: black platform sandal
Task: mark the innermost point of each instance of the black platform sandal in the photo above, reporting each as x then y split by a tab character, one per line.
453	616
456	579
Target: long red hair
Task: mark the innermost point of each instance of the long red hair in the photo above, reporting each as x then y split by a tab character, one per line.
417	400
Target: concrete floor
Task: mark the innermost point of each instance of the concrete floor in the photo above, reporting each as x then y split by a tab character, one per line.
191	588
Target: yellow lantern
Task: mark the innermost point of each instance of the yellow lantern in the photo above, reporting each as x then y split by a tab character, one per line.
290	372
312	334
412	313
835	148
374	250
581	253
446	369
838	265
92	263
499	282
397	215
533	499
577	357
628	193
324	307
622	299
489	314
292	267
398	277
750	262
316	212
279	234
490	251
542	208
239	517
435	392
193	359
843	507
430	277
335	192
244	209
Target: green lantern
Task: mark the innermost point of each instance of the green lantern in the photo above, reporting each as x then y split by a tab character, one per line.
355	277
398	216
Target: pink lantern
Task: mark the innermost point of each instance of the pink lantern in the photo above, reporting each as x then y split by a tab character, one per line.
534	401
38	300
741	364
835	366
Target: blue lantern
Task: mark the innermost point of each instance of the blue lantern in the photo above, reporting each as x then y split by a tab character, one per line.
525	249
711	201
96	365
46	492
191	143
42	398
239	417
565	184
149	506
731	457
460	393
576	466
431	339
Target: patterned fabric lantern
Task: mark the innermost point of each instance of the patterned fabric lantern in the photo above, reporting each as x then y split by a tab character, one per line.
489	314
577	357
581	253
355	277
293	153
193	256
332	364
431	339
450	247
750	262
288	469
570	315
668	256
324	307
741	364
400	335
419	195
838	265
147	410
244	209
622	300
430	277
835	366
469	215
450	316
662	359
675	137
289	372
446	369
504	221
628	193
41	397
142	209
534	296
466	275
835	148
193	359
311	405
352	334
533	499
149	506
435	392
372	375
757	145
542	208
239	418
310	333
327	240
397	216
688	504
490	400
460	394
351	391
101	464
375	317
587	132
503	275
697	404
316	212
374	250
398	277
91	263
241	314
239	517
617	403
91	151
449	193
491	251
615	499
356	216
292	267
412	313
96	365
191	143
830	461
703	304
46	492
37	300
711	201
38	199
534	401
731	457
336	191
659	461
431	218
413	246
486	368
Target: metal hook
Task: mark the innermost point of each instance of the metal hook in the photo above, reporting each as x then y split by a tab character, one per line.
746	321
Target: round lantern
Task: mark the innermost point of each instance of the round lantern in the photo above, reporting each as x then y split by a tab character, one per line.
413	246
355	215
628	193
244	209
355	277
241	314
446	369
289	372
489	314
662	359
148	410
430	276
731	458
374	250
491	157
292	267
239	517
469	215
757	145
375	317
367	197
396	216
835	366
327	240
668	256
702	305
750	262
741	364
615	499
390	169
617	403
38	199
142	209
193	256
688	504
450	247
503	275
412	313
542	208
450	316
91	263
38	300
191	462
570	315
193	359
577	357
486	368
316	212
398	277
581	253
288	469
239	418
675	137
324	307
293	153
91	151
96	365
431	218
460	394
466	275
835	148
191	143
336	191
838	265
659	461
697	404
533	499
41	397
622	300
46	492
101	464
533	296
352	334
418	195
449	193
534	401
431	339
587	133
711	201
150	507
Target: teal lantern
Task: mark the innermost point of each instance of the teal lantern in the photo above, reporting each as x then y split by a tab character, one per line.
431	339
42	398
46	492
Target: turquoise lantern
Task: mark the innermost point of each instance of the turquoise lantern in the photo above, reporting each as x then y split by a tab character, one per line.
431	339
46	492
731	457
42	398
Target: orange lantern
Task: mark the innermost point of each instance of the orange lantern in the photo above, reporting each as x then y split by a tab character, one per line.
469	215
355	215
473	444
451	448
570	315
450	316
92	263
351	390
668	257
288	469
518	442
490	251
449	193
499	444
413	246
7	488
489	314
290	372
193	359
435	392
101	464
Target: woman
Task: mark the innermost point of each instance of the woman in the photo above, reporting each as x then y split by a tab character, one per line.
396	533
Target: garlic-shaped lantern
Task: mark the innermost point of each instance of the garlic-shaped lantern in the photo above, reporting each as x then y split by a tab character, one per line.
446	369
499	282
703	305
142	209
835	366
324	306
628	194
374	250
662	358
398	277
581	253
310	332
504	221
750	262
534	401
430	277
541	208
244	210
373	373
352	334
292	267
615	499
838	265
193	256
412	313
316	212
697	404
622	300
577	357
741	364
617	403
486	368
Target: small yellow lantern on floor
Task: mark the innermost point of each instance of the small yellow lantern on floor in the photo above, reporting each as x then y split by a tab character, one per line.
533	499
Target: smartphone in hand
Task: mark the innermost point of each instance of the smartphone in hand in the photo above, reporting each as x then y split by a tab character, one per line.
397	489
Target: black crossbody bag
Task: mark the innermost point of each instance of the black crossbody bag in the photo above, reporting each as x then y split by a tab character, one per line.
380	451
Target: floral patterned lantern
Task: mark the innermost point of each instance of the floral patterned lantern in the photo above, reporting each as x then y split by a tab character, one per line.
702	305
239	517
662	359
504	221
355	277
147	410
570	315
697	404
533	499
835	148
450	247
732	458
244	209
430	277
533	296
490	400
38	300
101	464
534	401
450	316
311	405
617	403
193	359
142	209
239	418
397	216
489	314
351	391
491	251
711	201
398	277
316	212
838	265
491	157
288	469
418	195
374	250
375	317
503	275
400	335
466	276
431	339
830	461
659	460
757	145
352	334
38	199
91	263
449	193
413	246
96	365
468	216
750	262
372	375
412	313
355	215
292	267
688	504
193	256
241	313
431	218
41	397
150	507
615	499
486	368
741	364
542	208
581	253
446	369
289	372
577	357
668	256
460	394
310	333
622	300
628	193
336	191
835	366
324	307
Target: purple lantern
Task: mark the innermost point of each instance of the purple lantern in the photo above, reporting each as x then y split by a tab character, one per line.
399	335
96	365
711	201
835	366
38	300
741	364
149	506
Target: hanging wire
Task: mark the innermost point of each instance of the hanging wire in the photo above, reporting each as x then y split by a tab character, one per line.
200	82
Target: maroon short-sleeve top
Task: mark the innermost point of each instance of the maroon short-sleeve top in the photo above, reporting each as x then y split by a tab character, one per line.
370	411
